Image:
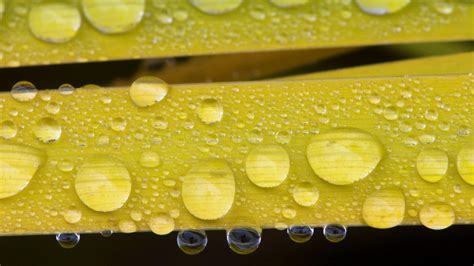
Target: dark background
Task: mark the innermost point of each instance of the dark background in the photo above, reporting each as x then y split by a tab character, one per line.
406	245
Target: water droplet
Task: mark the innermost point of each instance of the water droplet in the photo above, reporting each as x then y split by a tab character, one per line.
53	108
390	113
116	16
289	213
437	216
192	242
335	232
127	226
306	194
54	22
210	111
267	165
146	91
384	208
68	240
18	164
24	91
103	183
47	130
255	136
283	137
427	138
382	7
149	159
66	89
8	129
431	115
118	124
161	224
300	234
66	166
465	163
216	7
136	215
159	123
72	216
343	156
243	240
106	233
432	164
443	7
208	189
288	3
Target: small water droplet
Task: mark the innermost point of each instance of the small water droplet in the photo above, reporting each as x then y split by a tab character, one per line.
210	111
8	129
146	91
288	3
161	224
53	108
192	242
432	164
267	165
465	163
24	91
283	137
335	232
149	159
68	240
118	124
127	226
66	89
381	7
243	240
300	234
106	233
66	166
306	194
72	216
47	130
213	7
443	7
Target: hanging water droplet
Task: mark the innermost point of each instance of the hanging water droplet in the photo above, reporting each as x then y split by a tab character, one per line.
432	164
335	232
146	91
114	16
210	111
68	240
47	130
465	163
343	156
243	240
300	234
382	7
106	233
24	91
267	165
8	129
66	89
54	22
437	216
216	7
192	242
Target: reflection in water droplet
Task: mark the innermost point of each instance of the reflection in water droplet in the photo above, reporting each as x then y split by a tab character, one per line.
216	7
267	165
343	156
68	240
465	163
114	16
243	240
300	234
384	208
8	129
210	111
47	130
54	22
192	242
432	164
146	91
334	232
382	7
437	216
24	91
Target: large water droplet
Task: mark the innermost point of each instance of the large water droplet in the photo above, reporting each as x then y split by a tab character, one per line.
384	208
24	91
267	165
335	232
147	91
161	224
465	163
382	7
68	240
437	216
192	242
47	130
210	111
114	16
300	234
243	240
208	189
432	164
306	194
103	183
54	22
8	129
343	156
216	7
18	164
